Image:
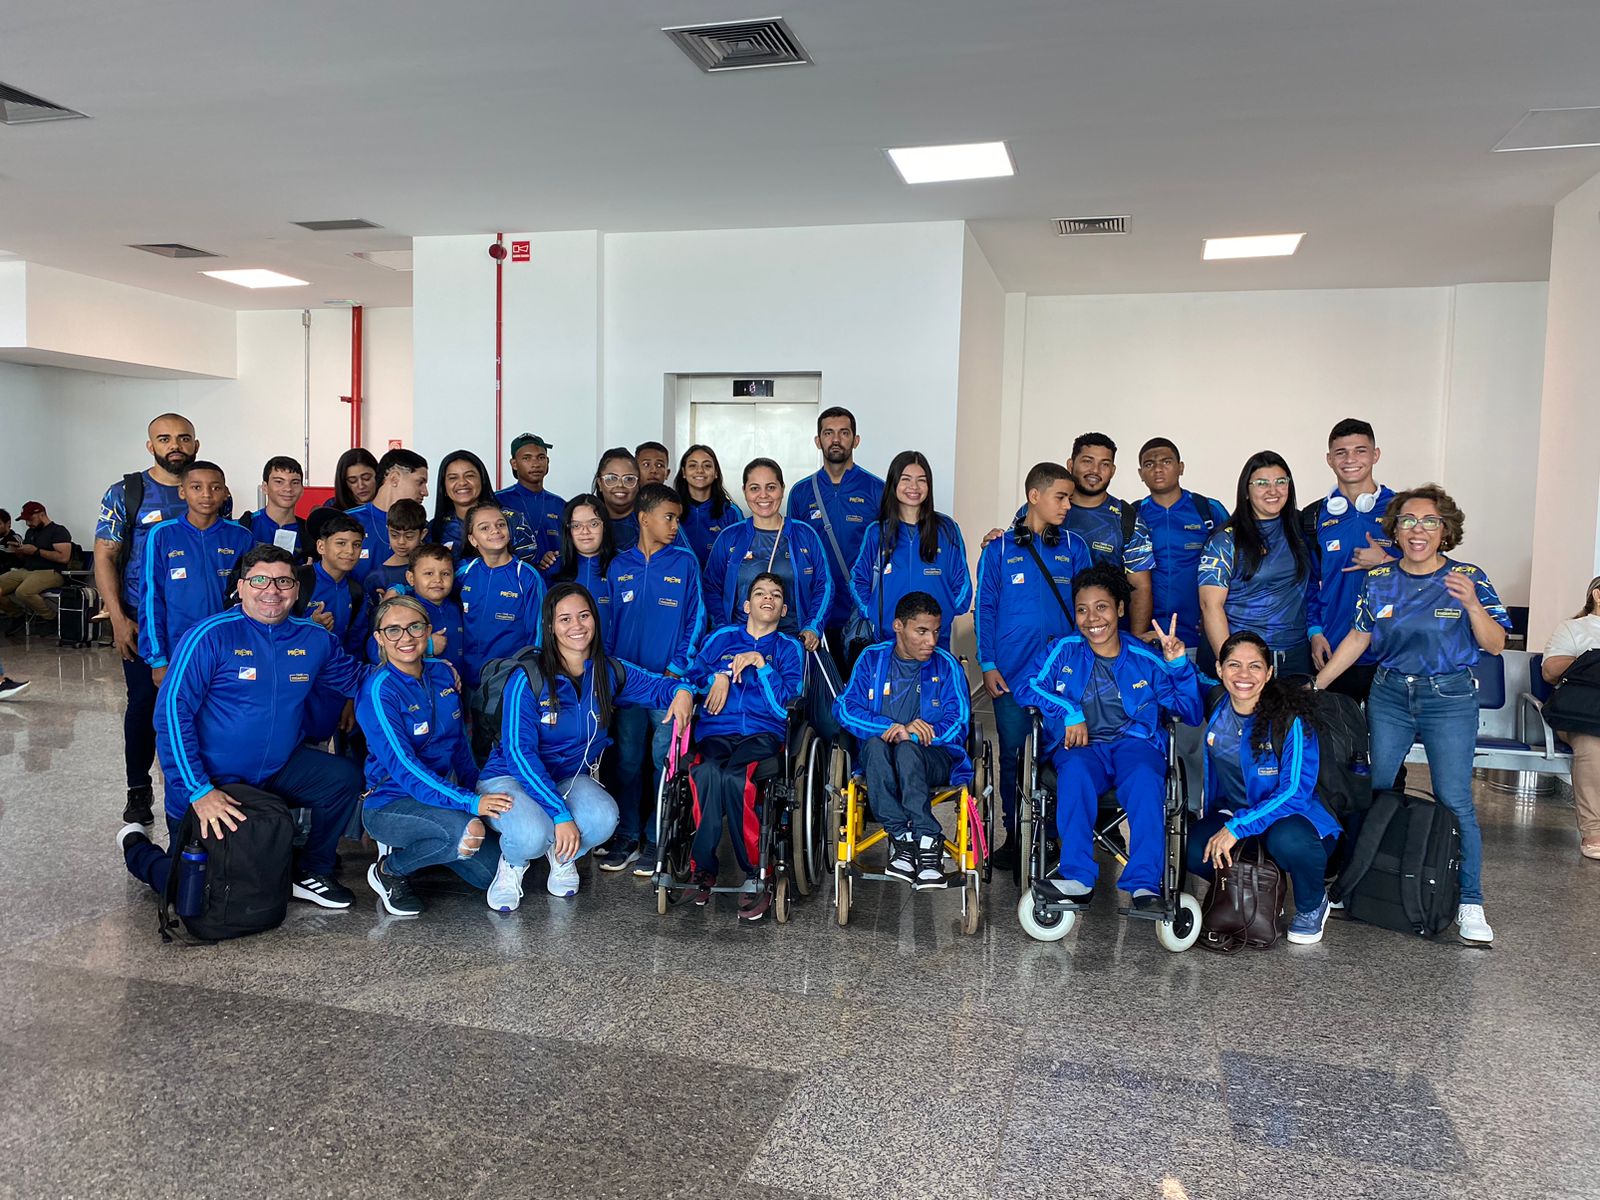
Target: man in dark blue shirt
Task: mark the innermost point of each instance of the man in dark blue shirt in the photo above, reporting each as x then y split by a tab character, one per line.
1098	518
529	499
1179	522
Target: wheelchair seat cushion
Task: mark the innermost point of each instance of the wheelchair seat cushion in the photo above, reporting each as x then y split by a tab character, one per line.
768	768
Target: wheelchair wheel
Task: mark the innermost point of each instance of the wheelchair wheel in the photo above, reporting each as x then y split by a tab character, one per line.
971	906
843	886
663	901
781	901
1183	930
989	808
1027	784
838	779
807	832
1044	926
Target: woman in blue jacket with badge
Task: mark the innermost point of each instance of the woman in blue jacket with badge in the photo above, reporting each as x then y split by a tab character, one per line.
1262	757
910	548
1257	573
553	730
768	542
707	507
1428	618
420	805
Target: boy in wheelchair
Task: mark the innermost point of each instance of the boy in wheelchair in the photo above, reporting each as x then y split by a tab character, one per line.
907	705
749	674
1100	697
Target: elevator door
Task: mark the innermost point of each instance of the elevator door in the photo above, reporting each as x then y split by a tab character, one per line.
738	432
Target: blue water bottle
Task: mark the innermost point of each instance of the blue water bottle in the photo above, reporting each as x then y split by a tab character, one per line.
192	880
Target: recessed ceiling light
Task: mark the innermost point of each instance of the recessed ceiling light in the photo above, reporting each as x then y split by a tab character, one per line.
257	277
940	164
1267	245
1553	129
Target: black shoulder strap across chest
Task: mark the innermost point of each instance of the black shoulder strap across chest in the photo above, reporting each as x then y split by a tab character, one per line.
132	502
1049	578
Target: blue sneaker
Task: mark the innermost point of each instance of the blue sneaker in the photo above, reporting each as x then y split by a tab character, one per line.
1306	928
619	854
644	866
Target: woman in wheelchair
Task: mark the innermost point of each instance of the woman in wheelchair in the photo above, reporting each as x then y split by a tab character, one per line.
554	714
1100	698
1261	777
750	674
907	705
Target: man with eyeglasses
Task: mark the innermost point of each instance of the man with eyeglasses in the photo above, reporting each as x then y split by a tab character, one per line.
530	499
231	711
1346	529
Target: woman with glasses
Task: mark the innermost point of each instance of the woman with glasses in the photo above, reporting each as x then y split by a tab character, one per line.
707	507
1257	573
1570	642
616	482
421	804
1428	618
587	545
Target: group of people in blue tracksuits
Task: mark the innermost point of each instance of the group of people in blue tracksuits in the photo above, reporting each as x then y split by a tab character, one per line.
515	672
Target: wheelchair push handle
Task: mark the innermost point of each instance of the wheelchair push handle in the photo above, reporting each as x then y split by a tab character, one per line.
678	750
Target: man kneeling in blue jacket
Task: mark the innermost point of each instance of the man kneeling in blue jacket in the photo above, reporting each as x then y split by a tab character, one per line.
907	704
230	711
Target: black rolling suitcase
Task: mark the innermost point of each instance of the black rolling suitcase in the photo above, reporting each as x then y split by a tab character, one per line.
78	604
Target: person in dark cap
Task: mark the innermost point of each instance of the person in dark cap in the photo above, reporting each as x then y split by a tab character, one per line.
45	551
527	497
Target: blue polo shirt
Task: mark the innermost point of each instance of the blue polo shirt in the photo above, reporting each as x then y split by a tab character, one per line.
1177	536
1419	628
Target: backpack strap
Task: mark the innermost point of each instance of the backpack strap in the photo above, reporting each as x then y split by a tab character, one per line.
132	502
1418	830
307	578
1376	823
827	526
1130	520
1202	508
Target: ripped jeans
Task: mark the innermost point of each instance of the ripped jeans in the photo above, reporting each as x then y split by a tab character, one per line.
423	835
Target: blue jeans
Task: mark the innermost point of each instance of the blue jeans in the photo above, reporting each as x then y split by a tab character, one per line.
1292	843
423	835
1443	709
528	830
638	730
900	782
1011	726
1137	769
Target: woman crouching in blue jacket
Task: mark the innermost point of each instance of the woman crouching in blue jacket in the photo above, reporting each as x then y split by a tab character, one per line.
1261	779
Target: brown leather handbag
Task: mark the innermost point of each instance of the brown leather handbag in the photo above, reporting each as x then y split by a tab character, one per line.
1245	903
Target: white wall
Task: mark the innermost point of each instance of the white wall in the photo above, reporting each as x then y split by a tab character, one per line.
31	433
1449	376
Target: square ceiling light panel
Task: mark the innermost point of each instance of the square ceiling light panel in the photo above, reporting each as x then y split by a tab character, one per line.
1266	245
257	277
943	164
1553	129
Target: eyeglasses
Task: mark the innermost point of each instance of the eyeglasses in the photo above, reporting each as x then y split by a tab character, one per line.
1262	485
283	583
613	480
1431	524
393	633
586	526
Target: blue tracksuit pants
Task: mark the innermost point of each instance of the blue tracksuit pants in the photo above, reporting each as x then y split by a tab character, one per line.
1137	769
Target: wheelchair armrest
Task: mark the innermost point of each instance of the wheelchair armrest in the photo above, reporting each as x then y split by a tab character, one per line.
1526	702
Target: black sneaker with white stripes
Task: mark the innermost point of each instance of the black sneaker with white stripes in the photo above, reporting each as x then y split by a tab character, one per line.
324	891
394	891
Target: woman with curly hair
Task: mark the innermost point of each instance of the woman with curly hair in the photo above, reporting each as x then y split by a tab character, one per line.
1261	778
1428	618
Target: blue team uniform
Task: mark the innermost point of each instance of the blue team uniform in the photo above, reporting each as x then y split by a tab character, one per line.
383	578
742	551
588	576
1259	790
1101	530
375	548
1417	627
1275	602
499	609
187	580
1338	538
264	530
851	505
352	625
903	570
700	528
540	512
757	702
866	709
625	530
1016	613
417	743
1178	535
655	614
448	533
159	503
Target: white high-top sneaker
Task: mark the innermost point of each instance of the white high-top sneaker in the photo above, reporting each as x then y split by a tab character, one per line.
1474	926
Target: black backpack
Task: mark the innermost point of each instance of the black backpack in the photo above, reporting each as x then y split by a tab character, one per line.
1574	707
248	873
1344	769
486	701
1202	508
1403	872
132	502
307	576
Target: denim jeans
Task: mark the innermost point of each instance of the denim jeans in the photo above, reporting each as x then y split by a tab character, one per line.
1011	727
900	782
638	731
1292	843
1443	709
528	830
423	835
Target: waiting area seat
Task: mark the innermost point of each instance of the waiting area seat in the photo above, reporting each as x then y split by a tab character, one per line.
1513	737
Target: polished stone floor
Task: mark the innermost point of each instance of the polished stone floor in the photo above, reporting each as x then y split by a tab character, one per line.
591	1048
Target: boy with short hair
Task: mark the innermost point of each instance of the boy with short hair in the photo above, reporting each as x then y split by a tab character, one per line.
431	578
331	595
187	563
654	461
407	523
275	523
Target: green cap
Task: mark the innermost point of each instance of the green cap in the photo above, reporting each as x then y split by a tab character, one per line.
528	439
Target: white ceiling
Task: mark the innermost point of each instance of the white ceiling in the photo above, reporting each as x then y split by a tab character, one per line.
1366	123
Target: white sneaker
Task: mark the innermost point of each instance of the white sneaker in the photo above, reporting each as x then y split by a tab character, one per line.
1474	927
505	893
563	879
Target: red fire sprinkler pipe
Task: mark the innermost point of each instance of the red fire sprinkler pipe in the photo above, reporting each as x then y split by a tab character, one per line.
355	376
498	252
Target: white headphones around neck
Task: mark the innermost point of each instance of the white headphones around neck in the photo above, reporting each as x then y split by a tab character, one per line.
1337	505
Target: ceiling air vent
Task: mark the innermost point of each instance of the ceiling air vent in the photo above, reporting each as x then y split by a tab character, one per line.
335	226
1090	226
740	45
172	250
18	107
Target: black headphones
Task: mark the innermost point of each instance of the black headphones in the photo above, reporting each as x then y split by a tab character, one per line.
1023	535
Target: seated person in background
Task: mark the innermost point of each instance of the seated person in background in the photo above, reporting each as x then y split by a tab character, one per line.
1100	697
431	578
1570	642
9	541
46	551
587	546
187	564
275	524
231	711
552	736
331	595
749	673
420	803
499	594
1261	777
907	704
407	525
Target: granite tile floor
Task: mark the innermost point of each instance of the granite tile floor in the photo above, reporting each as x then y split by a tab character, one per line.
591	1048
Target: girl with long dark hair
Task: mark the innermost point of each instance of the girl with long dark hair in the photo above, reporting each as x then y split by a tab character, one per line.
707	507
587	544
463	485
355	479
553	729
1256	572
1262	756
911	548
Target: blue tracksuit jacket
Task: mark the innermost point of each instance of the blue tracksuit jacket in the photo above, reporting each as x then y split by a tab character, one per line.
233	705
188	580
499	611
416	739
383	578
375	548
813	588
544	742
265	532
851	505
1283	609
352	625
1177	537
757	702
448	533
1016	614
656	613
700	529
589	576
1146	683
160	503
445	617
541	513
1277	784
946	578
1338	539
942	702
